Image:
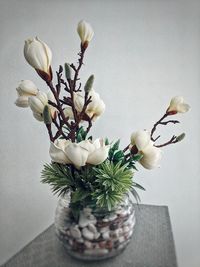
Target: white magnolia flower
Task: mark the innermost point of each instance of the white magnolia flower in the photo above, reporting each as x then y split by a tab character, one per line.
39	56
151	157
25	89
94	110
177	105
38	102
79	154
85	32
151	154
141	139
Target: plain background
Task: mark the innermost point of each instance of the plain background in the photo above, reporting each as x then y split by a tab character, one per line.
143	53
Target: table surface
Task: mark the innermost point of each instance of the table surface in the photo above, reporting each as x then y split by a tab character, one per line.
152	245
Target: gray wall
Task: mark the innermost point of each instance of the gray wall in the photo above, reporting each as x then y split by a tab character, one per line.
143	53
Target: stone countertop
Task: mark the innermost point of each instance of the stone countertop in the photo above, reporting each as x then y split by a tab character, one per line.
152	245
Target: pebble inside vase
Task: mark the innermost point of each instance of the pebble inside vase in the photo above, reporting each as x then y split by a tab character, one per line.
97	234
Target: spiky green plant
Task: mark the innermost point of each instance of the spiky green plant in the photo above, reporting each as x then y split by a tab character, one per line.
59	176
111	183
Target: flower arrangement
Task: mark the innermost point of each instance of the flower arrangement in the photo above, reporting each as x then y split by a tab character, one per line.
97	172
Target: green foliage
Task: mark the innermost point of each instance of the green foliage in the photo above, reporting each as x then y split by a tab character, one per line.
131	161
79	195
112	182
81	134
59	177
102	186
114	148
135	194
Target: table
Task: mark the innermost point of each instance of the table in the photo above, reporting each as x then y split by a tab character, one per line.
152	245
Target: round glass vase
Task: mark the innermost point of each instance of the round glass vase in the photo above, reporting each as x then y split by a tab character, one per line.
97	234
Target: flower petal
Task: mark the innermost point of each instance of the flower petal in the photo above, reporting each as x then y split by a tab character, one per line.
76	154
88	145
98	156
35	104
151	157
141	139
27	88
22	102
38	116
57	153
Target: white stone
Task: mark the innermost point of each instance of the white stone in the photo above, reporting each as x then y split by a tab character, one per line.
112	217
92	218
121	239
87	234
130	234
88	244
97	251
104	229
75	232
80	240
85	221
87	211
126	229
119	211
106	235
123	213
71	242
92	228
97	235
130	221
129	210
119	231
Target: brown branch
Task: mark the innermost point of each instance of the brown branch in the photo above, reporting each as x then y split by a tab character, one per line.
173	140
126	148
70	87
59	127
50	132
170	121
155	126
58	106
76	70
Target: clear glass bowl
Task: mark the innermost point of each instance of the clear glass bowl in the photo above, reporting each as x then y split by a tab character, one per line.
97	234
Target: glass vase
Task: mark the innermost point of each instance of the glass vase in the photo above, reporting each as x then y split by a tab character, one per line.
97	234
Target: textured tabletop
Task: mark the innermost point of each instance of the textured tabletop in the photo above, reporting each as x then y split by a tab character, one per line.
152	245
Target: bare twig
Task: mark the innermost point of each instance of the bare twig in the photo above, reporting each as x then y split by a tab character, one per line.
161	122
173	140
50	132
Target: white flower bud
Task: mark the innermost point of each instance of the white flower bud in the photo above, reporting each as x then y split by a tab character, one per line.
89	84
25	89
95	108
85	32
22	102
151	155
39	56
180	137
47	115
177	105
68	71
37	104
